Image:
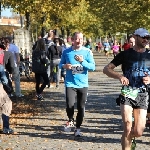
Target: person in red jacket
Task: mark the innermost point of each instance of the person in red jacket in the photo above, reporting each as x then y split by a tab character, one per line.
126	45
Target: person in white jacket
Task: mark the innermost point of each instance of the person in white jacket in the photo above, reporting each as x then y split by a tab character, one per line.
5	107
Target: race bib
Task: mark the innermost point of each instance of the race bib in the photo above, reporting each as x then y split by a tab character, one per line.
107	48
77	69
129	92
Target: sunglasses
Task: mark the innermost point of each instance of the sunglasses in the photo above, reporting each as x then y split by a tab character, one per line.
145	38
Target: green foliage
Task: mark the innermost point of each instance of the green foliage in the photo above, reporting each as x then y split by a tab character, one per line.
93	17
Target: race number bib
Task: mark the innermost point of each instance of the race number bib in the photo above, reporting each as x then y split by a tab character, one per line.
77	69
128	92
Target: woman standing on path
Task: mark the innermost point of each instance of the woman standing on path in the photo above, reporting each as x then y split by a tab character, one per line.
39	67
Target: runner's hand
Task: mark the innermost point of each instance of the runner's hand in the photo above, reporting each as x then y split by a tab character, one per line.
146	79
67	66
78	58
124	80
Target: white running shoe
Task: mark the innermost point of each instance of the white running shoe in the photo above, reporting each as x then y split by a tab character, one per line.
77	132
68	126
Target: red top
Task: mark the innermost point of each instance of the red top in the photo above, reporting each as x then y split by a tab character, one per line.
126	46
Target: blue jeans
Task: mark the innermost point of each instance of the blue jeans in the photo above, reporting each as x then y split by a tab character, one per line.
16	78
55	63
8	88
5	121
3	78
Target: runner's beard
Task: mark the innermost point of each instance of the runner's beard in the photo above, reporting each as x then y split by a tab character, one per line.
142	44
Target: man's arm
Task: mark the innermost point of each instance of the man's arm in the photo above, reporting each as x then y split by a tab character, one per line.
109	71
17	59
49	53
17	55
11	62
63	64
62	61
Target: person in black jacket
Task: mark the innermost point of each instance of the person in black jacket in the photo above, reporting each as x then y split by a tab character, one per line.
54	55
39	67
9	68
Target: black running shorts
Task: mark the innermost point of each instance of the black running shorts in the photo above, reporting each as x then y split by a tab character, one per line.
141	102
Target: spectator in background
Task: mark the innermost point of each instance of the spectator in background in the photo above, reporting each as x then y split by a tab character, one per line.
131	41
9	67
6	107
88	44
3	77
54	55
49	39
16	74
107	48
34	45
64	44
100	47
126	45
39	67
115	48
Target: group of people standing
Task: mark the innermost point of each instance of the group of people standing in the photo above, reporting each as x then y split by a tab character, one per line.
9	70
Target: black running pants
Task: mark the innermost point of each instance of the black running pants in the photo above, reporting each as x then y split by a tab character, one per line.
71	95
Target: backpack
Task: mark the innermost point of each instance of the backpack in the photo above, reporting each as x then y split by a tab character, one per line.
1	57
40	61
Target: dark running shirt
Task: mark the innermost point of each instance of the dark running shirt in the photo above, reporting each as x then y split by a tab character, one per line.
54	52
39	61
9	61
134	66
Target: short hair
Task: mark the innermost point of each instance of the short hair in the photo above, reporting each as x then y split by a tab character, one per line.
6	40
75	33
9	39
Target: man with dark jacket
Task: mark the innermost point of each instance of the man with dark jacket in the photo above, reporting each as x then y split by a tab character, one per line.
9	68
54	55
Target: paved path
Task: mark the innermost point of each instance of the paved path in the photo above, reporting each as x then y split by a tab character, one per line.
102	126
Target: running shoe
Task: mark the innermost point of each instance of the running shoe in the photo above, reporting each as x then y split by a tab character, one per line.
39	97
7	131
68	126
77	132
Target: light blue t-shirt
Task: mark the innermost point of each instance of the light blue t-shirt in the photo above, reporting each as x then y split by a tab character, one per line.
107	46
77	77
14	49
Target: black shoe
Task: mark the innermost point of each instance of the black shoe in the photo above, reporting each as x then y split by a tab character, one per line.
7	131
